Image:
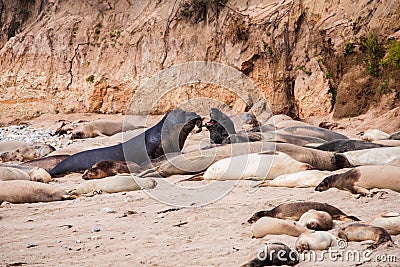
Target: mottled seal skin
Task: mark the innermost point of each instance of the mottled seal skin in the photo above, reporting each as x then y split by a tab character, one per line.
294	210
27	153
274	254
107	168
316	220
312	131
30	192
274	226
318	240
360	232
359	180
138	149
220	126
344	145
46	163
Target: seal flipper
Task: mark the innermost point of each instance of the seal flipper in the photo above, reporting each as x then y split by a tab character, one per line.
196	177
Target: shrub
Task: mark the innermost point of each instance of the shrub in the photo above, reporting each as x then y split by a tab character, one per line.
374	52
392	58
90	79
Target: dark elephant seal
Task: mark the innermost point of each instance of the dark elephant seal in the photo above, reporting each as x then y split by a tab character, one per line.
220	126
274	254
46	163
312	131
138	149
294	210
26	153
107	168
360	232
30	192
344	145
359	180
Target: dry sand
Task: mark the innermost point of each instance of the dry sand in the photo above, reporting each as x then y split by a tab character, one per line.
136	234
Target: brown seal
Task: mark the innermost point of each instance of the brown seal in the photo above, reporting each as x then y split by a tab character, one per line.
360	232
294	210
316	220
107	168
360	179
30	192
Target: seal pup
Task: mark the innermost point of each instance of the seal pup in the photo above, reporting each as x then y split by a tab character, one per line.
312	131
309	178
26	153
373	156
138	149
107	168
113	184
30	192
105	127
271	255
360	232
316	220
344	145
318	240
294	210
374	135
274	226
359	180
46	163
266	165
35	174
390	222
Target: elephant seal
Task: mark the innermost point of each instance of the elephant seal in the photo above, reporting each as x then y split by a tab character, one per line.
290	123
105	127
220	126
274	226
316	220
373	156
309	178
26	153
395	162
298	140
8	146
390	222
113	184
318	240
395	136
198	161
374	135
138	149
266	165
344	145
46	163
360	232
387	142
30	192
35	174
274	254
312	131
359	180
294	210
278	118
107	168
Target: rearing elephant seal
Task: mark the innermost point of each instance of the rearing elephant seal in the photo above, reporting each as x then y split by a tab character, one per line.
138	149
294	210
360	179
220	126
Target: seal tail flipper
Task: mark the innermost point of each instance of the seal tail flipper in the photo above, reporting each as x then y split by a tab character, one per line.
263	184
68	197
196	177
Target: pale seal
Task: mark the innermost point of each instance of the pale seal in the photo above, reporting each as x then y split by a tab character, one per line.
316	220
274	226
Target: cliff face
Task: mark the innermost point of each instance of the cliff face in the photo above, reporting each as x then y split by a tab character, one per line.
69	56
